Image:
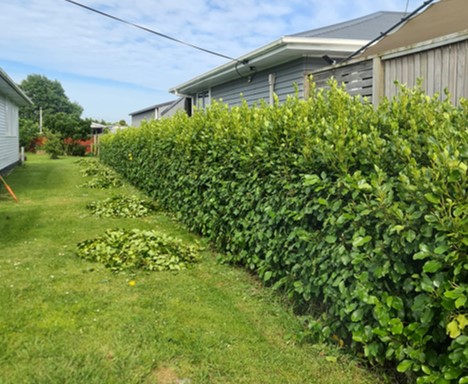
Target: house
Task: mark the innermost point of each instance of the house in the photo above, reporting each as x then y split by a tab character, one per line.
282	66
432	45
11	98
442	18
158	111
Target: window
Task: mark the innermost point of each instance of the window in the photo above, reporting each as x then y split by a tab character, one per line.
11	118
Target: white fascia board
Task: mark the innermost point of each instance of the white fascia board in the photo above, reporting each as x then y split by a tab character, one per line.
267	55
426	45
13	91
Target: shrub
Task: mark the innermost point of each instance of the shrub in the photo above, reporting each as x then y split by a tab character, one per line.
360	215
75	149
53	145
28	133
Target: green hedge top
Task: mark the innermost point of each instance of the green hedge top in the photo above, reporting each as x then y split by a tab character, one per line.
359	214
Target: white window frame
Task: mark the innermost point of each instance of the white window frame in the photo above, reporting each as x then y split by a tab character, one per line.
11	118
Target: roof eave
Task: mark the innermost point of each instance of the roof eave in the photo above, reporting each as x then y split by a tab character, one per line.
12	90
152	108
265	56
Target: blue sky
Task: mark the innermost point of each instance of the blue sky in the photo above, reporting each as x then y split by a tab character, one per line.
112	69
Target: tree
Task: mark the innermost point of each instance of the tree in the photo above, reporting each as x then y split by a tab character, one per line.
60	115
48	95
68	125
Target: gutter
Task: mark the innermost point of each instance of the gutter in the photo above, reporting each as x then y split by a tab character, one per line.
304	45
15	87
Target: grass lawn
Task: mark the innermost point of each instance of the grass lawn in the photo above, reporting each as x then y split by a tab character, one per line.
67	320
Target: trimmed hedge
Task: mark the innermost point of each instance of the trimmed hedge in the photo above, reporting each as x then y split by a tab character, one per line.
358	214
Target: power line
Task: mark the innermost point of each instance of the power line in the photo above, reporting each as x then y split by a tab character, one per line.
383	34
407	5
156	33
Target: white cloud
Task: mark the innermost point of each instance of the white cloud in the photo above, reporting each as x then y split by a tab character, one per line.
60	37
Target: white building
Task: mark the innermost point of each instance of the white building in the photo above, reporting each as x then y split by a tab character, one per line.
11	98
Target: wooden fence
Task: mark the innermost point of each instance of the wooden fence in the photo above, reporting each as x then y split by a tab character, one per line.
356	77
440	63
440	68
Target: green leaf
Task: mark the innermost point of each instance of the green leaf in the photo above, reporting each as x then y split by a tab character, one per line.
396	326
453	329
462	340
454	293
357	315
431	218
452	374
460	302
267	275
362	185
421	255
404	366
462	321
331	359
441	249
426	369
360	241
330	239
397	228
310	180
299	286
432	198
432	266
410	236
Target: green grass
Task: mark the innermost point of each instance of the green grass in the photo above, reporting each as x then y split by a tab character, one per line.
66	320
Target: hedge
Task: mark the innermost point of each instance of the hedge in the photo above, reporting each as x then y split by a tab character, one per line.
359	214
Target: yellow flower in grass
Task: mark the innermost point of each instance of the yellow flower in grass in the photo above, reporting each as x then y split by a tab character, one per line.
132	283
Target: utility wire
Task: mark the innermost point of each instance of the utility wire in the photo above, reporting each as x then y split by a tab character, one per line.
383	34
155	32
407	5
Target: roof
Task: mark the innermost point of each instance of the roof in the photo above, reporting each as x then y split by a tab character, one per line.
280	51
443	18
337	41
97	125
12	91
365	28
153	107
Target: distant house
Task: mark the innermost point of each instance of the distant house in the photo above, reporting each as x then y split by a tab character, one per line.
282	67
158	111
431	45
11	98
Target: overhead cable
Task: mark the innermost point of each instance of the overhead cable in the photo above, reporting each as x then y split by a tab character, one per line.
155	32
383	34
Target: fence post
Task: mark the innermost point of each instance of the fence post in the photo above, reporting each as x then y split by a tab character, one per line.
378	80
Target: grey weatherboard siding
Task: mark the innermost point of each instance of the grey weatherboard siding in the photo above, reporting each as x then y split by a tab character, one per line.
288	76
289	58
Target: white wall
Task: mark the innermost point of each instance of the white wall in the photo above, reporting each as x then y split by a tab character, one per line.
9	133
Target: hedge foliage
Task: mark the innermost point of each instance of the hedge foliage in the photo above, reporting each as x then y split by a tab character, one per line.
359	214
120	249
